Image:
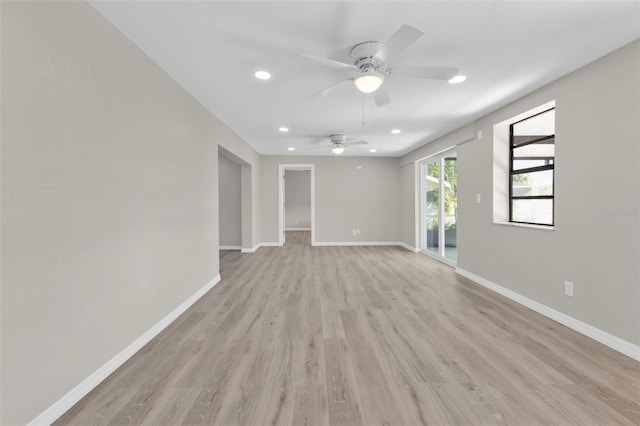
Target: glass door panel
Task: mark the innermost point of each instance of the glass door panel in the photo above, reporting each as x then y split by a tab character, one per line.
440	207
450	208
432	207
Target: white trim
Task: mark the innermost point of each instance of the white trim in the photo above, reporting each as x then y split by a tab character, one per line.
408	247
439	157
250	249
297	229
61	406
623	346
351	244
525	225
281	170
442	153
442	259
358	243
230	247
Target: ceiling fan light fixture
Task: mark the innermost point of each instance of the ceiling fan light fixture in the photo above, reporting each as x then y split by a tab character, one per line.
369	81
337	150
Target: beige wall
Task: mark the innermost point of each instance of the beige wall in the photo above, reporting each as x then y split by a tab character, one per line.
598	139
230	201
298	199
109	198
346	198
409	205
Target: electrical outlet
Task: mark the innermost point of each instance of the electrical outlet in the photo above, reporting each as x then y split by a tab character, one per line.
354	231
568	288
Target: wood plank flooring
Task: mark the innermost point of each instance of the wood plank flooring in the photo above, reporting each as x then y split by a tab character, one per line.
302	335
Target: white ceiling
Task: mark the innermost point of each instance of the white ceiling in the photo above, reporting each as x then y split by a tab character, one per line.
506	49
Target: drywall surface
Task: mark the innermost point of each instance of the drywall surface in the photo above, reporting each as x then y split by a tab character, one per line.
409	202
229	194
346	198
298	199
109	198
595	242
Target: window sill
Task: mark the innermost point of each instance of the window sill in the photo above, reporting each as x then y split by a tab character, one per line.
526	225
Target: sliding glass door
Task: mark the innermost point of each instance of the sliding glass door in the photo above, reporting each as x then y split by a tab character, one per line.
439	206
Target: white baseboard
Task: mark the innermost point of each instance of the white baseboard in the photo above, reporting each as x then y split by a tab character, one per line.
408	247
249	249
356	243
366	243
61	406
297	229
230	248
607	339
253	249
439	258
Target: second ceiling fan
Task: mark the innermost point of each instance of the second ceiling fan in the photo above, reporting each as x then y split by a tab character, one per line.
373	63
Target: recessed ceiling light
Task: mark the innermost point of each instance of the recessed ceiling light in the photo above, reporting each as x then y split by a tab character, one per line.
283	129
457	79
262	75
396	131
373	150
291	148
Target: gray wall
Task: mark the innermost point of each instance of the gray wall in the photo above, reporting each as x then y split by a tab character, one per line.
597	157
346	198
109	198
298	199
230	201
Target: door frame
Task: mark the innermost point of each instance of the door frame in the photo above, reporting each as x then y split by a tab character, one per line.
282	168
423	200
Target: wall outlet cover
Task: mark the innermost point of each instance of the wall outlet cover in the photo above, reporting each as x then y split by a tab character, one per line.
568	288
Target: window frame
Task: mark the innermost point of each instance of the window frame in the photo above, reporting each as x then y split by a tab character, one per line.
551	167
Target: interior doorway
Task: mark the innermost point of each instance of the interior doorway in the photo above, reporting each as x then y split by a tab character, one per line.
296	200
235	206
229	203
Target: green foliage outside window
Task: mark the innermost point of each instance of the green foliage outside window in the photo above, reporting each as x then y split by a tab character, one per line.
450	191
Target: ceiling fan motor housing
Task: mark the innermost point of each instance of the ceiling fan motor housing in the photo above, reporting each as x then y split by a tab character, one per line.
362	55
338	139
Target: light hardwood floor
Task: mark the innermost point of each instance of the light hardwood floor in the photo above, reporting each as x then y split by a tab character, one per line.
306	335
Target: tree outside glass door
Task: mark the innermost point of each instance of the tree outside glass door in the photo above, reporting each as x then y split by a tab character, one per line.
439	210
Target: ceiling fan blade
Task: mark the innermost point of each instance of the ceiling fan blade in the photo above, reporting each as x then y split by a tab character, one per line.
329	88
400	40
330	62
381	97
356	143
434	73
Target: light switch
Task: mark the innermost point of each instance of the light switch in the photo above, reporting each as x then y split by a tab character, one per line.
478	198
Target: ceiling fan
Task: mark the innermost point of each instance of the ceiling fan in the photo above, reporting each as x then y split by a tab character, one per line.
340	142
372	64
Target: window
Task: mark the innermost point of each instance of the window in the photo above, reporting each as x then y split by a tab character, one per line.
531	169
